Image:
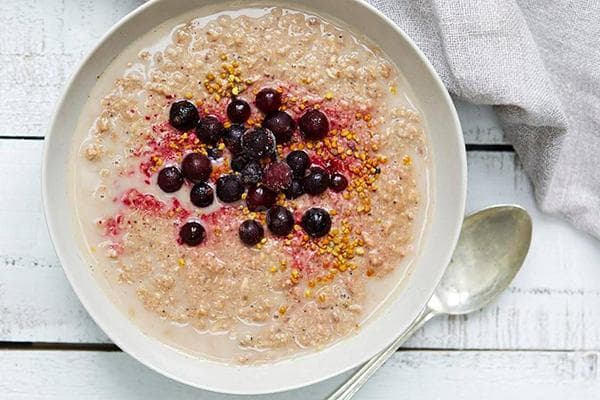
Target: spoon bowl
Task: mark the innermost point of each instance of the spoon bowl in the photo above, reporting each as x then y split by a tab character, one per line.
492	247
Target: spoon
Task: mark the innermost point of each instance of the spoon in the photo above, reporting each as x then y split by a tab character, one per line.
491	248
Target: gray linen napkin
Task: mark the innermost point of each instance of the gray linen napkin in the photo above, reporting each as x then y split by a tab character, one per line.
538	63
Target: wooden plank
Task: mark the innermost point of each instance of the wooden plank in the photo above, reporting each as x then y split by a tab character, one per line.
552	304
491	375
47	40
39	52
480	125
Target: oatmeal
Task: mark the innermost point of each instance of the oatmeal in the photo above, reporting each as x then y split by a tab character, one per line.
251	185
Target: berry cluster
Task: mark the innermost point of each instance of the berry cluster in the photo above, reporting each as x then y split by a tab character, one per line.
258	175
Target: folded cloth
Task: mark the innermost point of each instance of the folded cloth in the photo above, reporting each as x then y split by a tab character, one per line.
538	63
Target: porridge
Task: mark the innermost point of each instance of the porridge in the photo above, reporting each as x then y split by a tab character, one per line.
252	184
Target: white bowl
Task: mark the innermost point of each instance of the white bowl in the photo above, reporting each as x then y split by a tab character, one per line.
447	207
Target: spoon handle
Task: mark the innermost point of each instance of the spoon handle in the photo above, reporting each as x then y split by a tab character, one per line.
360	377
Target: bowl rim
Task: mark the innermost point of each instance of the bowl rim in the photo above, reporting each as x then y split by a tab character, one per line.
55	236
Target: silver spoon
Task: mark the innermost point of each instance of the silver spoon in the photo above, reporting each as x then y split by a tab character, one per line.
492	246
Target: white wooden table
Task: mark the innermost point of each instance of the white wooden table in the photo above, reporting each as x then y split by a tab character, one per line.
540	340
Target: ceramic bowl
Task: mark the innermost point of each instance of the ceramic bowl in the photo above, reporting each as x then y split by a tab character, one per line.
448	191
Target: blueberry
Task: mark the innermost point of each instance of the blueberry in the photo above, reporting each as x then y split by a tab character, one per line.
251	232
192	233
298	161
202	195
295	190
232	137
252	173
239	161
258	143
280	220
316	222
238	111
316	182
214	153
281	124
183	115
268	100
338	182
259	198
196	167
229	188
277	176
209	130
170	179
314	125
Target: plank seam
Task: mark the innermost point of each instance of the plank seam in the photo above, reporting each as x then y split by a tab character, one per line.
110	347
469	146
7	137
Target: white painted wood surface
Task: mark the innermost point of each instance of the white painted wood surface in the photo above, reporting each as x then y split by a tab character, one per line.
539	340
423	375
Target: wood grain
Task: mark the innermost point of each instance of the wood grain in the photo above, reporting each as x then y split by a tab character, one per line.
40	46
472	375
552	304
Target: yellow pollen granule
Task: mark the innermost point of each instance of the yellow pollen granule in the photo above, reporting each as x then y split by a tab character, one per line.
181	262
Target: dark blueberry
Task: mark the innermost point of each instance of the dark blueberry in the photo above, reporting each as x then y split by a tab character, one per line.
232	137
239	161
229	188
280	220
202	195
170	179
238	111
252	173
298	161
214	153
314	125
277	176
251	232
316	182
295	190
258	143
338	182
316	222
268	100
281	124
183	115
196	167
192	233
259	198
209	130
